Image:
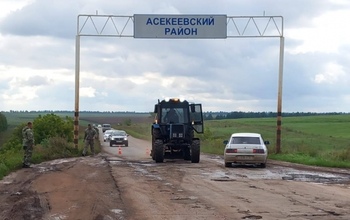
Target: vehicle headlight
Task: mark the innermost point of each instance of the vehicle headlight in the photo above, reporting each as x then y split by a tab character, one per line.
125	138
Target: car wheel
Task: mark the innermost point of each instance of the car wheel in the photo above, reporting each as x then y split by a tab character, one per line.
110	144
263	165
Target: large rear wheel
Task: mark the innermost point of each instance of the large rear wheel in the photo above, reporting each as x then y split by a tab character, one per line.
195	151
158	151
155	134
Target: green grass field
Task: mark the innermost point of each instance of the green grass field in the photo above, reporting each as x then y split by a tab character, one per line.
312	140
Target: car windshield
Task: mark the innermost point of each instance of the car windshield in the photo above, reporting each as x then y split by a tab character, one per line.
118	133
245	140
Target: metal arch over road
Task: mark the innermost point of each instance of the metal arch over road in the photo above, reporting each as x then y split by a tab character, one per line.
179	27
123	26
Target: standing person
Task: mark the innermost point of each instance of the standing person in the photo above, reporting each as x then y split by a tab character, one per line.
90	135
28	144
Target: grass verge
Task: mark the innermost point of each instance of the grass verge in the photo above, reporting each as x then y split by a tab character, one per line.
11	159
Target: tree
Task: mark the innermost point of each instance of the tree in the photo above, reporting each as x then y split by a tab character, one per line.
127	122
3	122
51	125
209	117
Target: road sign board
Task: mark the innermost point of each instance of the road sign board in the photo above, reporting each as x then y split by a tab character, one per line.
180	26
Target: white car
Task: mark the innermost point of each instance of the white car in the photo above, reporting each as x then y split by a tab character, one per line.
107	135
246	148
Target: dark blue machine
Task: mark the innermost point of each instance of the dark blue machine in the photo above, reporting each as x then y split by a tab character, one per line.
173	130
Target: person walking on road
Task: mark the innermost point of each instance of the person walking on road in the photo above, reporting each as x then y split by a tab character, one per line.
28	144
89	139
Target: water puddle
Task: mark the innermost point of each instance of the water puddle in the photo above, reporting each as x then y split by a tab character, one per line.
316	178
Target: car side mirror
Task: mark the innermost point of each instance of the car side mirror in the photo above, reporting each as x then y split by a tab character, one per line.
266	142
225	142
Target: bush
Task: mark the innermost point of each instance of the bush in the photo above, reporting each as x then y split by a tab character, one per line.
51	125
3	170
127	122
53	139
15	141
207	135
3	122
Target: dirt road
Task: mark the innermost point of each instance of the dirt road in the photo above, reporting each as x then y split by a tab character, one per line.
124	183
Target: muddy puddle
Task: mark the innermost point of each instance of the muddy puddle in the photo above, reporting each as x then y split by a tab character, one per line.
274	172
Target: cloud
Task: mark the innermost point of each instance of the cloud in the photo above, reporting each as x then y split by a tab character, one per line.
42	18
327	35
37	63
333	73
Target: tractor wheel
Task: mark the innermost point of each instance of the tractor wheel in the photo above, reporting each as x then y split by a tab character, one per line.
190	134
152	150
158	151
155	134
195	151
187	153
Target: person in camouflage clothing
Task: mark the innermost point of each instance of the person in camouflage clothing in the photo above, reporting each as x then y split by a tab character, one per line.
90	135
28	144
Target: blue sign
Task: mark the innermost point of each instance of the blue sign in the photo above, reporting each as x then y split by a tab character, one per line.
180	26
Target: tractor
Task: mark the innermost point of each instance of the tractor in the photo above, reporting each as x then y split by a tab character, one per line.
173	130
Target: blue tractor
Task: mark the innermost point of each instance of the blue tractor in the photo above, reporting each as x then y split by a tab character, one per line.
173	130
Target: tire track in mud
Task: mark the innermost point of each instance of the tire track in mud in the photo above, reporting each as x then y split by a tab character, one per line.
154	191
18	201
212	190
76	188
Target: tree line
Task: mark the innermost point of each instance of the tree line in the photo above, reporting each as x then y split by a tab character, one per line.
241	114
66	111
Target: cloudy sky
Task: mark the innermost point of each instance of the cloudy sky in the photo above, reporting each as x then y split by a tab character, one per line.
37	58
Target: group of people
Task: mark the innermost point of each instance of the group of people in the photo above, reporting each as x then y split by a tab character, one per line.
89	138
28	142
